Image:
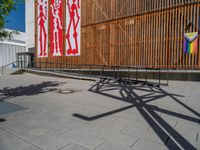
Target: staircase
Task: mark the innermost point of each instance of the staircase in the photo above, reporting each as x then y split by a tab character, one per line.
9	69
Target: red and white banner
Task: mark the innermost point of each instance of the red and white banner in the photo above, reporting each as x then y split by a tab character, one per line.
56	32
42	20
73	32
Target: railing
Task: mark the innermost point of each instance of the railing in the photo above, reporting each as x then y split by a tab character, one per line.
6	67
122	73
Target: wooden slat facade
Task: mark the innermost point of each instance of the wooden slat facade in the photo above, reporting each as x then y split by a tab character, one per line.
146	33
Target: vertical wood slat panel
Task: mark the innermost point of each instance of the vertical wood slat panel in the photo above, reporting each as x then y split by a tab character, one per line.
137	33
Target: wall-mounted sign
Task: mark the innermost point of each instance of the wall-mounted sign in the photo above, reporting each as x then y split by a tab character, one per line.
191	43
73	32
42	22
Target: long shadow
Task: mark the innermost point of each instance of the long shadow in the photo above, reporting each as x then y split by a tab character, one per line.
2	120
33	89
128	93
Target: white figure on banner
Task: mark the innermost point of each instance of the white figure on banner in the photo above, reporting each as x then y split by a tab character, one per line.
42	18
57	26
73	9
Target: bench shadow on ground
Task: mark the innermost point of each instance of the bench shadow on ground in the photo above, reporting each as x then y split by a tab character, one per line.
129	93
30	90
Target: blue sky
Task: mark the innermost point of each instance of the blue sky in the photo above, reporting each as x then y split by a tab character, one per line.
16	19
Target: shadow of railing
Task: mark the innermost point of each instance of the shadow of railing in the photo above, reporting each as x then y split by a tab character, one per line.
129	94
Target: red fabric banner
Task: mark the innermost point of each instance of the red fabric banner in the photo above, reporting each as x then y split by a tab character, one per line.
56	29
73	28
42	26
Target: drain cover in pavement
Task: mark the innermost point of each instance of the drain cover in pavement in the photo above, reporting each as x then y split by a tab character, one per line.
68	91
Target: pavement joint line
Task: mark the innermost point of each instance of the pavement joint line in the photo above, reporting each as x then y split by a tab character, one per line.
21	138
63	146
64	132
175	124
134	142
81	146
99	145
126	126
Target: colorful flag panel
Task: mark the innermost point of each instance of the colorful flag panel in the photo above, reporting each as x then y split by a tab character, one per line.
73	32
56	29
191	43
42	26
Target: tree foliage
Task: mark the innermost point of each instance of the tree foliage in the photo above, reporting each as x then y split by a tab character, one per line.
6	6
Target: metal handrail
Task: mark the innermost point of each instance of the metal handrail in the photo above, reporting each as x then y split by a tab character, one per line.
61	66
92	67
95	65
2	71
9	64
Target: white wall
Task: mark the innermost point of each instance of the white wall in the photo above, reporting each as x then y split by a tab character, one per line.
8	52
9	48
30	26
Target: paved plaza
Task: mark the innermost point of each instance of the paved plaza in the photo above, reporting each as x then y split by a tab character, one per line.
47	113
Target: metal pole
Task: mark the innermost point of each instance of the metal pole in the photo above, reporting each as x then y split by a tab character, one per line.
45	65
127	74
90	70
113	72
100	71
118	73
159	78
103	69
146	75
24	61
136	74
79	70
167	77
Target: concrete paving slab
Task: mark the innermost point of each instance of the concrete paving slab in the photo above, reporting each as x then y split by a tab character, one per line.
114	116
73	146
144	145
11	142
132	122
116	137
82	139
111	146
36	136
159	138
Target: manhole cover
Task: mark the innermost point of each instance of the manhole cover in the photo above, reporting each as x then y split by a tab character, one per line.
68	91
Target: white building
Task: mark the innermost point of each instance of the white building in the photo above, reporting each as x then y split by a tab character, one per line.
30	24
9	48
21	42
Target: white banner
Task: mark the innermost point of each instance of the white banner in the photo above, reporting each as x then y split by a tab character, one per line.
42	22
73	28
